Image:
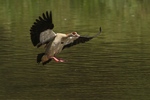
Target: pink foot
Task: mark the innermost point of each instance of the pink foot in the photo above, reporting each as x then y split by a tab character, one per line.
60	60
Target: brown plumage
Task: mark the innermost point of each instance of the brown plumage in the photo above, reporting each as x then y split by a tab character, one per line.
42	34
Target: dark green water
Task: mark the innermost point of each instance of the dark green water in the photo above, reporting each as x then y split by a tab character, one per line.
113	66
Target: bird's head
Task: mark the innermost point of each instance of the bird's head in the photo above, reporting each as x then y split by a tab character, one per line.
73	34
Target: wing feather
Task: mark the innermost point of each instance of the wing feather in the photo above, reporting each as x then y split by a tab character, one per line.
44	17
80	40
41	25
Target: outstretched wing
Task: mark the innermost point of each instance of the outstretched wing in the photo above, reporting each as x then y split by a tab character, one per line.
41	31
80	40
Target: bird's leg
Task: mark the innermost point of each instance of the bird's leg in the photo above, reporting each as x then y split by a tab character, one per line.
57	60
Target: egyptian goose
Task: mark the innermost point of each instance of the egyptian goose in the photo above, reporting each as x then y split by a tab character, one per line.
42	34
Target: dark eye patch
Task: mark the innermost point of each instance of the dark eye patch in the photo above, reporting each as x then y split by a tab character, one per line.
73	33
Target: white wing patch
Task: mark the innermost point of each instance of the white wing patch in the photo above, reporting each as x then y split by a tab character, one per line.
70	40
47	36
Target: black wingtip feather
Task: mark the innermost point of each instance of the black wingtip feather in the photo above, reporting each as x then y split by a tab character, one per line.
81	40
47	14
100	30
41	24
44	17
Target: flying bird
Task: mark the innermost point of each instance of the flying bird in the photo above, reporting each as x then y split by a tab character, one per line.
42	33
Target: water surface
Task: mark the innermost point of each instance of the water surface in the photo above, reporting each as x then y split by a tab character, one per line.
113	66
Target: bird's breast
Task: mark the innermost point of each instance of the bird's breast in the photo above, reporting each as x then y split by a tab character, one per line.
55	47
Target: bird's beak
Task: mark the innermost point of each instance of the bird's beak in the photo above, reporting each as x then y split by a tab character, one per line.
78	35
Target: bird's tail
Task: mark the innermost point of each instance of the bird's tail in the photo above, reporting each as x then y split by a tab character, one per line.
42	57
